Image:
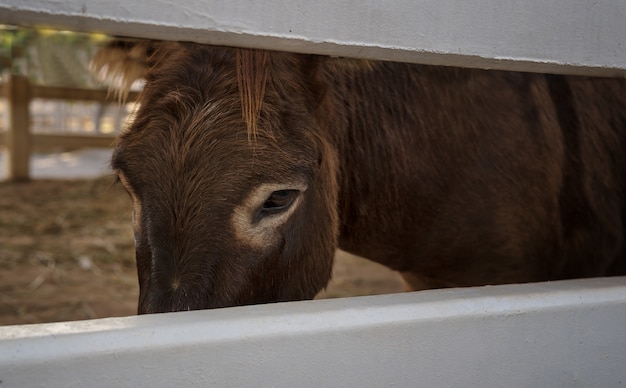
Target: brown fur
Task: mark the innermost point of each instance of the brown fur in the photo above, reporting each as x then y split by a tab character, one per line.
253	71
454	177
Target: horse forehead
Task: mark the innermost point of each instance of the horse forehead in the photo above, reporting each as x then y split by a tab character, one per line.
185	129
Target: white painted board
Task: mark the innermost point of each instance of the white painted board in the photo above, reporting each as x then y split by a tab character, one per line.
570	36
559	334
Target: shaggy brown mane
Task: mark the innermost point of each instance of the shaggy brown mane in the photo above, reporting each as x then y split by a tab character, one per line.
119	64
253	74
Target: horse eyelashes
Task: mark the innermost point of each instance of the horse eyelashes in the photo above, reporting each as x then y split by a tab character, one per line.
279	200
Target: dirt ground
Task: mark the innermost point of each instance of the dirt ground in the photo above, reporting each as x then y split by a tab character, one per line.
66	253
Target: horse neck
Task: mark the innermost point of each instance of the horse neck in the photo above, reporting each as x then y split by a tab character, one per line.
365	115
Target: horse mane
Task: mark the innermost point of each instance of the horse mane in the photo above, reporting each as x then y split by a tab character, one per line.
119	64
253	74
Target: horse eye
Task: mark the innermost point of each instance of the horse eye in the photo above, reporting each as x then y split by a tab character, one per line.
279	200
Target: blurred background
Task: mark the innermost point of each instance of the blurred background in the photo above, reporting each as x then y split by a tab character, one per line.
66	243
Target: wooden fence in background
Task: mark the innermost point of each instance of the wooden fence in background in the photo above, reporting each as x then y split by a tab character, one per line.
19	140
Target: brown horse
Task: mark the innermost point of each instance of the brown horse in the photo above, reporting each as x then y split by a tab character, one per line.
248	169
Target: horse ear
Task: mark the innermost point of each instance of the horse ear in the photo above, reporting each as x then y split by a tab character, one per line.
120	63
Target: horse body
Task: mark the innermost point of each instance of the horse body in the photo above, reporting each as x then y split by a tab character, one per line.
482	177
248	169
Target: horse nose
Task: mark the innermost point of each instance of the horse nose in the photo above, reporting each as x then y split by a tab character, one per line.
165	301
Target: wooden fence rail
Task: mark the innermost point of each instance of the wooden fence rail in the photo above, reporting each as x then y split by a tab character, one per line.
19	139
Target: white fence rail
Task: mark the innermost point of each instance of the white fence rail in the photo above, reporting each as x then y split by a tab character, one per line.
560	334
574	36
553	334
